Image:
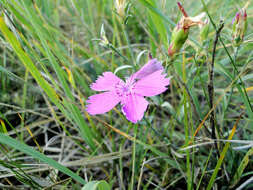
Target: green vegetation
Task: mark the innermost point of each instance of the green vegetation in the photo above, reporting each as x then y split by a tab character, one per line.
196	135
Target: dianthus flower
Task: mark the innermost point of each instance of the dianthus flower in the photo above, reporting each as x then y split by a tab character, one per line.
150	80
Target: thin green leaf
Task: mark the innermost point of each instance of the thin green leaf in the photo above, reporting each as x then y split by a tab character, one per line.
222	156
158	22
37	155
241	168
157	11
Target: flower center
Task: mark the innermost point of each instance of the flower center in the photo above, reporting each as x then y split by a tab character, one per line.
124	89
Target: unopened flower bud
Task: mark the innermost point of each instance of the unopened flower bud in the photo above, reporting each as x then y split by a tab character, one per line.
178	37
120	6
239	27
103	38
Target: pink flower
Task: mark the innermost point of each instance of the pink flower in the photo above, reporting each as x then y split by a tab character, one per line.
148	81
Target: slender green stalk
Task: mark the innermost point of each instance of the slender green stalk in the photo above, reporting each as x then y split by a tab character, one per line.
232	89
204	169
134	158
186	128
222	155
118	52
128	44
24	102
4	81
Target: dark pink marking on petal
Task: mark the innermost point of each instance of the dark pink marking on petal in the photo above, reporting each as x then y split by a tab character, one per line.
134	107
106	82
102	103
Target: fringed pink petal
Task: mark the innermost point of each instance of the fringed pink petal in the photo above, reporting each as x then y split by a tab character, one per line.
134	107
102	103
152	84
106	82
152	66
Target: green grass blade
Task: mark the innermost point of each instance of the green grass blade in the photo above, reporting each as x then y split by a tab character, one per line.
37	155
241	168
222	156
97	185
10	74
25	59
72	112
158	22
157	12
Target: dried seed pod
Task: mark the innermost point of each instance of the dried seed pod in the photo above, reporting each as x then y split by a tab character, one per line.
181	31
